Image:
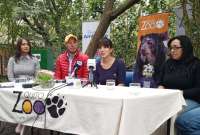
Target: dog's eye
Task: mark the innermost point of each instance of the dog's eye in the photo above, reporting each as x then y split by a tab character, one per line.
150	42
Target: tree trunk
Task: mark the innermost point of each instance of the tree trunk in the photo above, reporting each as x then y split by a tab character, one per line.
192	25
109	14
101	30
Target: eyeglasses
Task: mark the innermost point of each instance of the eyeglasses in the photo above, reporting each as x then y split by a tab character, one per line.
175	48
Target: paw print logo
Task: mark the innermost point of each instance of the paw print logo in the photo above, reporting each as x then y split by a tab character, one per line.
55	106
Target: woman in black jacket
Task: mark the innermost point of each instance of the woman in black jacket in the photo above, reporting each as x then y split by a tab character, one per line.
182	71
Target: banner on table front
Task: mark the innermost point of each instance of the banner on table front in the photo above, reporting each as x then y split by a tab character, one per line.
64	109
88	30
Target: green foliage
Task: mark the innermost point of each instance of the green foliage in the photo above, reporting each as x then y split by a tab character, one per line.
3	78
44	79
124	36
193	25
51	20
9	27
124	28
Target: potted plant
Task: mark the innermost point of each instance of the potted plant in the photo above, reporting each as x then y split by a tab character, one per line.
45	79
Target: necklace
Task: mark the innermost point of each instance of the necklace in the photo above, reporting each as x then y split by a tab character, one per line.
108	64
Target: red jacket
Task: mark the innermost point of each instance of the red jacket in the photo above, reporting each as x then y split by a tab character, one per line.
62	65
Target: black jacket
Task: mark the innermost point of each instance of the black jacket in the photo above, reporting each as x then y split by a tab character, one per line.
183	74
186	77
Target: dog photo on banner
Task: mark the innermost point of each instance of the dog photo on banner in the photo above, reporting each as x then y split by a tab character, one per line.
152	37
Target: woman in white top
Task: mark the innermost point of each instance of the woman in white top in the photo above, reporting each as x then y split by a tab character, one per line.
22	64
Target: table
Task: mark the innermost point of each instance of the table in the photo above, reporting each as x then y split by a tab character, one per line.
89	111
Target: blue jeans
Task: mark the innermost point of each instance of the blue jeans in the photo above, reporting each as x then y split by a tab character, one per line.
188	122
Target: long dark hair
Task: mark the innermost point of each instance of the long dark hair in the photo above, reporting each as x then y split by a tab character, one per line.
18	48
186	45
159	52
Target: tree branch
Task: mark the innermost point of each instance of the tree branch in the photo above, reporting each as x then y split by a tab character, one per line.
58	13
54	5
49	7
39	25
109	5
123	7
31	25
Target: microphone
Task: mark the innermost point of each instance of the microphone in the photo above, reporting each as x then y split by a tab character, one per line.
76	68
91	65
29	85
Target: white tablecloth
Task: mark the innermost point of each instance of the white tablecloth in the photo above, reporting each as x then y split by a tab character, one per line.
90	111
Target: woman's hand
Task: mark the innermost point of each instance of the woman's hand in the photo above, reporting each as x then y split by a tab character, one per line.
161	87
120	84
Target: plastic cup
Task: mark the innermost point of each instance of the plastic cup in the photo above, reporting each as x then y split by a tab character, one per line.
76	83
135	85
110	82
146	84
